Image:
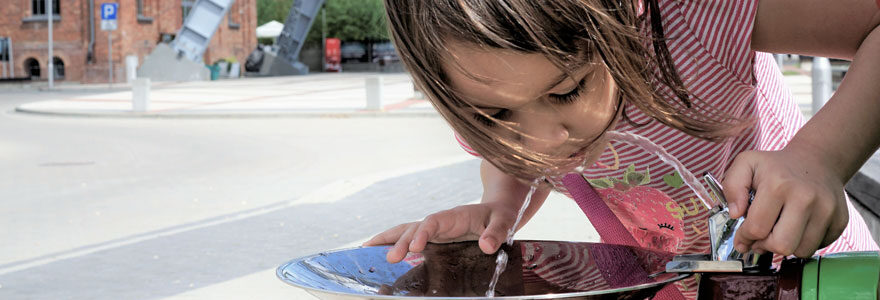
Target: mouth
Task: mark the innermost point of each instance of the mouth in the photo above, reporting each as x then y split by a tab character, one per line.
580	152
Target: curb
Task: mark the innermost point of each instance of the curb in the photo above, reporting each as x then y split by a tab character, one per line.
229	115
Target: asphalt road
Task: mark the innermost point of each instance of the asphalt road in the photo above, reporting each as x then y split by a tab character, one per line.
95	208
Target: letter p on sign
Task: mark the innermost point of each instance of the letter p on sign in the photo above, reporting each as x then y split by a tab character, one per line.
108	11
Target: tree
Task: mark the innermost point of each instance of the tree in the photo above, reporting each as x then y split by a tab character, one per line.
268	10
348	20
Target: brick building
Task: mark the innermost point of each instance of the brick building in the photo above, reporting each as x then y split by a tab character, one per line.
81	47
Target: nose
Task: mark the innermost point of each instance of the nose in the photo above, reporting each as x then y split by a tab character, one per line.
542	131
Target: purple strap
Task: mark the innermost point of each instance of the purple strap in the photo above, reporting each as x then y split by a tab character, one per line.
607	225
602	218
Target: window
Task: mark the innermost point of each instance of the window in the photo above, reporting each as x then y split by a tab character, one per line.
4	49
142	7
233	14
38	7
58	64
32	66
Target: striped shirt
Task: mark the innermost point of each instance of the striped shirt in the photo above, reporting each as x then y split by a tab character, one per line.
709	42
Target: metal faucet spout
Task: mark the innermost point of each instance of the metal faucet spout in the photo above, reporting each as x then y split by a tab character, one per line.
722	229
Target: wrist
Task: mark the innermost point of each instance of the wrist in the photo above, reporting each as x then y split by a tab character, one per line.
816	157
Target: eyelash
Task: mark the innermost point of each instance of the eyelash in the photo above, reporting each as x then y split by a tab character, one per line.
504	113
570	96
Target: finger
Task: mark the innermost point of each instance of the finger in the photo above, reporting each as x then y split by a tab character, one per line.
387	237
763	213
737	183
401	247
838	225
495	233
786	235
815	232
426	231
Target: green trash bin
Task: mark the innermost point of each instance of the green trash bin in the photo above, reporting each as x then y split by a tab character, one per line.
215	71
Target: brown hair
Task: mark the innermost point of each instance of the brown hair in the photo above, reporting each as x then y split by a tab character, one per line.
569	33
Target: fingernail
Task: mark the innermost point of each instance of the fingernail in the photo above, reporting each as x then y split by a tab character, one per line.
731	207
490	241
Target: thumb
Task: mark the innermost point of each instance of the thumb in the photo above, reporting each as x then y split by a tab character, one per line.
495	233
737	183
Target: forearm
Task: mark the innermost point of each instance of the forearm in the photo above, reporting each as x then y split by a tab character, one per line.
500	187
846	131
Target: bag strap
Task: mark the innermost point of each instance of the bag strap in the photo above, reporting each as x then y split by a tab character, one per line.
606	223
600	215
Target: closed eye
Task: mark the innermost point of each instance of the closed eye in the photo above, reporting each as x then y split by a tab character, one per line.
570	96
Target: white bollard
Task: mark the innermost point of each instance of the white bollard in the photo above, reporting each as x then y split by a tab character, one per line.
235	70
131	65
780	60
374	92
140	88
821	82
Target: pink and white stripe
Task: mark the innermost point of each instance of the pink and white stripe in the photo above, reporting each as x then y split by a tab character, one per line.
710	45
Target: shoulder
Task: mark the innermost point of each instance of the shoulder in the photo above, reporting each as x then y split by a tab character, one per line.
721	30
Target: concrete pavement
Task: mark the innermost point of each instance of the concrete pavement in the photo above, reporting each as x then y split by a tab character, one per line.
318	95
321	95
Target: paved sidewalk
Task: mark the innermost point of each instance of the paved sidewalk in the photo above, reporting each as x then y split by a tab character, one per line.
322	95
319	95
316	95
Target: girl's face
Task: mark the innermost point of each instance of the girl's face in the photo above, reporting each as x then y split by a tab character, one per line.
550	112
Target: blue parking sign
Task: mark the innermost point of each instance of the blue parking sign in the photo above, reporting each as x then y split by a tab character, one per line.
108	11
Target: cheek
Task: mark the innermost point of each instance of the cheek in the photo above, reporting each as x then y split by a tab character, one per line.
596	149
593	113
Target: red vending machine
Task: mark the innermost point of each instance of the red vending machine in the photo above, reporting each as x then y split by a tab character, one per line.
332	55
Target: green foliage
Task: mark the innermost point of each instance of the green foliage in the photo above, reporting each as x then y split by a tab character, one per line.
268	10
348	20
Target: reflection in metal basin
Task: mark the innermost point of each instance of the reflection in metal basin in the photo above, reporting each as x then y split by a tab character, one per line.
549	270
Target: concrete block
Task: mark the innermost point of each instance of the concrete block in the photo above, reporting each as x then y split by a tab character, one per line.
274	65
235	70
140	89
131	64
374	92
163	64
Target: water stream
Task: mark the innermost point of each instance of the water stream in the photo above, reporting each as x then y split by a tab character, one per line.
687	176
501	260
689	179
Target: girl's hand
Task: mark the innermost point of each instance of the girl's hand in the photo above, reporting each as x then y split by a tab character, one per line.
487	222
799	203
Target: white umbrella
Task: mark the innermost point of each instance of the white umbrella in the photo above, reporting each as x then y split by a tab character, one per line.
271	29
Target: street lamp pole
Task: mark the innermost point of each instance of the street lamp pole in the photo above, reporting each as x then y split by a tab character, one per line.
50	14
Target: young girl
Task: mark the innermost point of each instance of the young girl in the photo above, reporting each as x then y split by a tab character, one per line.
533	86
